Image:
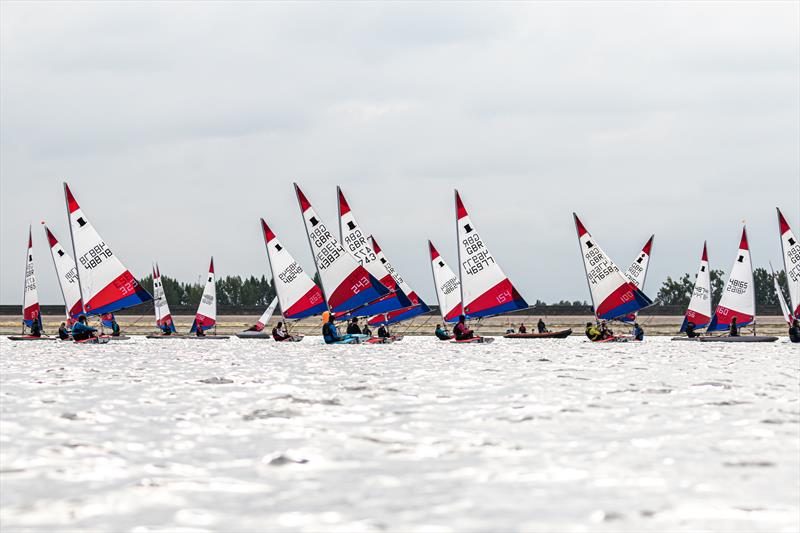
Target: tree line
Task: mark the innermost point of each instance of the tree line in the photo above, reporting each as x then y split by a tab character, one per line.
251	291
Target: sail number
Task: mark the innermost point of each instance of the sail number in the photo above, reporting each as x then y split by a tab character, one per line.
737	286
362	283
125	283
327	249
94	257
600	269
478	257
357	244
290	273
449	286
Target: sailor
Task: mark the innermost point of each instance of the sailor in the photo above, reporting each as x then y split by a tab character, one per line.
365	330
114	327
734	327
63	332
592	332
166	328
690	332
199	330
81	330
279	333
36	326
329	331
383	333
441	333
794	331
523	329
605	331
541	326
460	330
352	327
638	332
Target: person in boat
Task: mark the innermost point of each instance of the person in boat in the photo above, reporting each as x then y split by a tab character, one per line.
794	331
734	328
352	327
199	331
690	332
36	326
166	328
366	331
441	333
114	327
330	333
541	326
460	331
592	332
63	332
638	332
383	332
81	330
605	331
522	328
279	333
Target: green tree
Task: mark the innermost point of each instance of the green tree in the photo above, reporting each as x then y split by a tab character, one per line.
679	291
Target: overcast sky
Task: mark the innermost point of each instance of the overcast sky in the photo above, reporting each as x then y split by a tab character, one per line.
179	124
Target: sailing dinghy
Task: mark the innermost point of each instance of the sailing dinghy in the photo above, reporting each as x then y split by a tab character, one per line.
791	262
258	331
485	289
298	295
67	274
738	300
699	310
164	321
105	284
206	316
637	272
31	312
613	295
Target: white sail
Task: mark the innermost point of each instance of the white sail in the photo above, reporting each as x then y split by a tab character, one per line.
739	296
67	275
791	262
448	292
160	304
266	316
699	310
206	316
30	298
787	314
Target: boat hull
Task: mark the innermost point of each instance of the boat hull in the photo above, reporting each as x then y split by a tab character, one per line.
29	338
208	337
745	338
161	336
474	340
563	334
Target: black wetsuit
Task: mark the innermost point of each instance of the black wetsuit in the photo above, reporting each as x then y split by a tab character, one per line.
794	333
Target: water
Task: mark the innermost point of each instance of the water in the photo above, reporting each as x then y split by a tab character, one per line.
416	436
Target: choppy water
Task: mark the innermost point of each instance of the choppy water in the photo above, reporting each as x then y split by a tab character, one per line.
416	436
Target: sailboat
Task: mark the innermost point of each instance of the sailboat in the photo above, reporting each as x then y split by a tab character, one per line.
699	310
206	316
31	312
637	272
416	305
359	244
791	262
485	289
448	287
105	284
613	295
785	311
347	285
738	300
164	321
257	331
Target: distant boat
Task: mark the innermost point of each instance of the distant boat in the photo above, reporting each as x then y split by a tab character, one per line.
31	311
105	284
785	311
485	289
161	305
699	310
791	262
206	316
67	274
738	299
448	287
637	272
346	284
613	295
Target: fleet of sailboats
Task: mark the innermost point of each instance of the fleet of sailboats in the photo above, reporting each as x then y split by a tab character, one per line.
357	280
